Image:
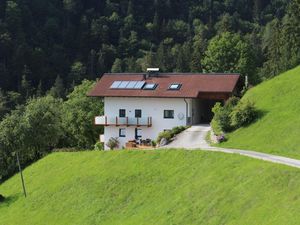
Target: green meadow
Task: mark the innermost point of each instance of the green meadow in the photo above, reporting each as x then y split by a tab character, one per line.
152	187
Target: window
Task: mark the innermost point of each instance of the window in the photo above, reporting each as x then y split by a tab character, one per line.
122	112
174	86
122	132
150	86
169	114
138	113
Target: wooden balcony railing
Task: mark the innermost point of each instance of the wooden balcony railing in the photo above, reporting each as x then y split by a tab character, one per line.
123	121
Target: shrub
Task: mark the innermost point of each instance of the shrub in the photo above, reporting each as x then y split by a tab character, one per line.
168	134
243	114
113	143
177	130
222	120
99	146
153	143
164	134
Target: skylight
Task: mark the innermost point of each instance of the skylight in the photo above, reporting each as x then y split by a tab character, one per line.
174	86
127	84
150	86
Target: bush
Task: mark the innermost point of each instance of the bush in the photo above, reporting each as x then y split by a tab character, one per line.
177	130
243	114
99	146
113	143
164	134
232	115
153	143
221	120
168	134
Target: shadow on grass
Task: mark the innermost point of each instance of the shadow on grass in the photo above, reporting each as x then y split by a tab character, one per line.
10	200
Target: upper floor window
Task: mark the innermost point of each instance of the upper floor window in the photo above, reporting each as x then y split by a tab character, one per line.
175	86
138	113
169	114
122	113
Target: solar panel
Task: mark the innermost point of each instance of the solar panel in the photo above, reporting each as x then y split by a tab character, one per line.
131	84
127	84
150	86
123	84
115	84
139	85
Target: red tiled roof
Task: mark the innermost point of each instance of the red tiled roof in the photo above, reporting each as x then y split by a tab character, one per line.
192	85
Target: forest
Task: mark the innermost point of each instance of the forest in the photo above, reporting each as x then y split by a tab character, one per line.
49	49
76	39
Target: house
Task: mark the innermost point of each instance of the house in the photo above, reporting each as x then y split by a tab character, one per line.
140	105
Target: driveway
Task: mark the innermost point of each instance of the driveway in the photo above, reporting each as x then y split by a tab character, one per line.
193	138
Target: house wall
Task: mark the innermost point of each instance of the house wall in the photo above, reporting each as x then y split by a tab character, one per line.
151	107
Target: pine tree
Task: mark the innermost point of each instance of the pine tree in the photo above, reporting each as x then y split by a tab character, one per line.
117	66
58	90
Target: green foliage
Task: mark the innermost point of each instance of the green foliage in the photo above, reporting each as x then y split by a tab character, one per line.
228	52
81	40
169	134
32	130
99	146
78	113
232	115
276	130
113	143
243	114
164	134
123	187
57	91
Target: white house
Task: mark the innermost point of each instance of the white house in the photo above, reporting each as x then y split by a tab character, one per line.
140	105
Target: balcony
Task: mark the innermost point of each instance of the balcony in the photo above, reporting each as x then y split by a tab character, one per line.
123	121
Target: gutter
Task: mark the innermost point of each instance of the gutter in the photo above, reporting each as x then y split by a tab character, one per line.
186	110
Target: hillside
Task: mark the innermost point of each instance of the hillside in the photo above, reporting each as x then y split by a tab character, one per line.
278	130
153	187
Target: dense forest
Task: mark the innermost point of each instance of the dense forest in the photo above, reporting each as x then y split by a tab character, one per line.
49	47
75	39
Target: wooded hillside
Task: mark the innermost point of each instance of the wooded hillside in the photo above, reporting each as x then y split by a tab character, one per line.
76	39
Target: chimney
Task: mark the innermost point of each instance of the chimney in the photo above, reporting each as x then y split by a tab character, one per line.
152	71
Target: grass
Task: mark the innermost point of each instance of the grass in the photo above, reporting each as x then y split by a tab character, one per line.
152	187
278	130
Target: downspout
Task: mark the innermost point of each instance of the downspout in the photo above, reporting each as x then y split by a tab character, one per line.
186	110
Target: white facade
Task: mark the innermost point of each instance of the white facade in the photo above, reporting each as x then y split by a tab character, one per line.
150	107
186	112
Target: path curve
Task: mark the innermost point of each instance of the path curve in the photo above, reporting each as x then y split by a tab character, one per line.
193	138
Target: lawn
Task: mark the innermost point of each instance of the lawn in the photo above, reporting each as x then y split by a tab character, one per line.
278	130
152	187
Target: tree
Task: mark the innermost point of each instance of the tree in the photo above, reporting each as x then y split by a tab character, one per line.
78	70
78	112
42	122
229	53
117	66
58	90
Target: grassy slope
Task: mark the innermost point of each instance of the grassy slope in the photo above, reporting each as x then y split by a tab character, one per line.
278	131
153	187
